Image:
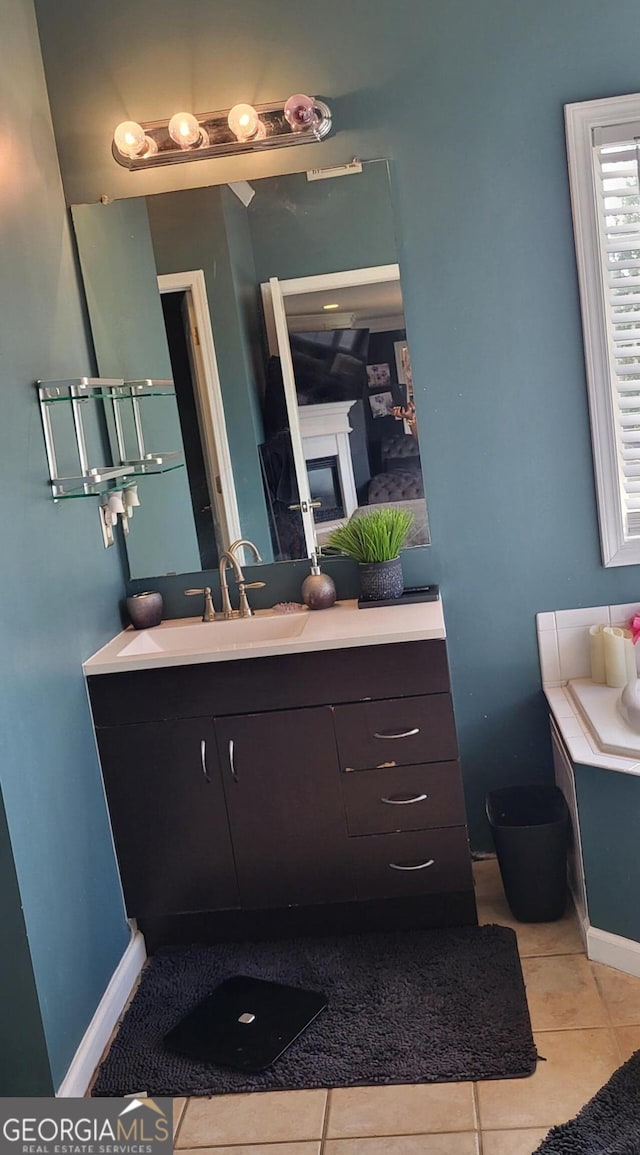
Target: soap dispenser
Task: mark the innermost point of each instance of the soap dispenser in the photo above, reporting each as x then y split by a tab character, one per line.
318	589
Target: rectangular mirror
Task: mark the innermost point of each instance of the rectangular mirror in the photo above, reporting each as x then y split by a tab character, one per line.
279	317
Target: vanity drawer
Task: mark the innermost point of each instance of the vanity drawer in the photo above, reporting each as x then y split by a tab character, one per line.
396	732
418	862
403	798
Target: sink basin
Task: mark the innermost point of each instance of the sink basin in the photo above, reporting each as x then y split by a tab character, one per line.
212	637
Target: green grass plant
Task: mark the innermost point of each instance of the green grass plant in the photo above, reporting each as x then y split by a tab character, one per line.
375	536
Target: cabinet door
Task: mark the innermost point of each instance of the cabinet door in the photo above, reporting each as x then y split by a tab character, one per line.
168	815
288	827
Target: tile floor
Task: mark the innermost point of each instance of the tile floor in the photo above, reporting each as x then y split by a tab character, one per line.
586	1021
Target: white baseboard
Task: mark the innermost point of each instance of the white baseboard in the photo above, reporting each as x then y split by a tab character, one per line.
97	1035
614	951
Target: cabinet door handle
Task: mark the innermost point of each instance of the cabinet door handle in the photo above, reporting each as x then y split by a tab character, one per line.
232	764
405	801
416	866
401	734
203	759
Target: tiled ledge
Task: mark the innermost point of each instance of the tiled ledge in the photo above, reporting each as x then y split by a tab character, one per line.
563	647
577	737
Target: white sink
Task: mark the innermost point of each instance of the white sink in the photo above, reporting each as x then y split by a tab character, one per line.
212	637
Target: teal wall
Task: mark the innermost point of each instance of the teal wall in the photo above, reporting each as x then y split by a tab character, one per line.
466	99
246	292
302	227
609	815
60	595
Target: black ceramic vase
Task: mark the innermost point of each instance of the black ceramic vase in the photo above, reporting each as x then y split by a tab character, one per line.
145	609
381	580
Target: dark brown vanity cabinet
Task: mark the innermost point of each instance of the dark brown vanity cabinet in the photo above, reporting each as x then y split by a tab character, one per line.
295	793
285	808
168	816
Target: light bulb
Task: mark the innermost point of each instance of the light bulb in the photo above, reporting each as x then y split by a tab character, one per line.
300	112
245	123
130	140
185	130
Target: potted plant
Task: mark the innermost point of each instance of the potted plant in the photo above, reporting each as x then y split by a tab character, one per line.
374	540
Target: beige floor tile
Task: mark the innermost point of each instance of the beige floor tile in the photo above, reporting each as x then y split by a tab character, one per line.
178	1111
562	993
628	1040
513	1142
413	1109
312	1148
534	938
577	1064
456	1143
487	880
621	993
267	1117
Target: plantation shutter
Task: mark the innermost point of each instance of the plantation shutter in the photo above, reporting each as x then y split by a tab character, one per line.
617	187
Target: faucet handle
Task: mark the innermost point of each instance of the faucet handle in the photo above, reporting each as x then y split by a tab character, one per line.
209	608
244	608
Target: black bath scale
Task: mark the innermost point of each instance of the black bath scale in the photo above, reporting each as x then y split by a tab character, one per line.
245	1023
411	594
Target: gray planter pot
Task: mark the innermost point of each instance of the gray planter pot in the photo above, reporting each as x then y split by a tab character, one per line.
380	580
145	609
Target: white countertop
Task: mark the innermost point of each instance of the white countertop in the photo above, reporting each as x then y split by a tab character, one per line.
341	627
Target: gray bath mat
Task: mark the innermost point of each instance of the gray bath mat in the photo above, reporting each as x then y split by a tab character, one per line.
608	1125
406	1007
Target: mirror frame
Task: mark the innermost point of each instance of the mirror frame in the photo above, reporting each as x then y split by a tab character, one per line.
208	398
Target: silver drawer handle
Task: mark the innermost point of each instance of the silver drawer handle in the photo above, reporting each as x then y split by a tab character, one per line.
203	759
402	734
418	865
232	764
405	801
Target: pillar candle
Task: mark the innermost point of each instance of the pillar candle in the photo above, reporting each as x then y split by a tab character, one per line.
630	656
596	651
615	661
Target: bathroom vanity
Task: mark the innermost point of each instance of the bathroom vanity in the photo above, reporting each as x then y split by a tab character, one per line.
273	784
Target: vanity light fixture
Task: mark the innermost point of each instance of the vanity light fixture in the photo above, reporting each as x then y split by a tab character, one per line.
243	128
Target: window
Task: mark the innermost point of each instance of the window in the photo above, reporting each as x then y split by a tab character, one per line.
603	144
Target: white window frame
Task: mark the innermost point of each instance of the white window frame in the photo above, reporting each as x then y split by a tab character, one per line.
581	120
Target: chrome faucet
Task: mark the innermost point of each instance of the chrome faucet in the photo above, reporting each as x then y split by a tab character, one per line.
229	558
209	612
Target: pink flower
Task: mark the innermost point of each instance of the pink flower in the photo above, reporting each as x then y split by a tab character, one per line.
634	626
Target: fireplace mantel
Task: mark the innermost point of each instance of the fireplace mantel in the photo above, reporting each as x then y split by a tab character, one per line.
325	432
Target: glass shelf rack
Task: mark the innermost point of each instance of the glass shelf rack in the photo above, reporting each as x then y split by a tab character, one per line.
114	434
